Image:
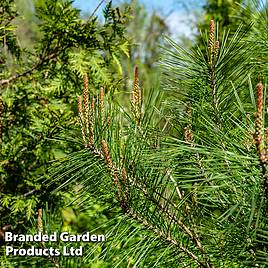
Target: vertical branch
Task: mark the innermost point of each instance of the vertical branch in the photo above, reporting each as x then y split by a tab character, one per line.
106	154
136	98
102	106
87	114
259	137
92	121
40	221
189	137
211	40
213	51
259	124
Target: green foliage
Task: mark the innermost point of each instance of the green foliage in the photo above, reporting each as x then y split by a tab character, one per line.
178	178
38	94
188	172
7	36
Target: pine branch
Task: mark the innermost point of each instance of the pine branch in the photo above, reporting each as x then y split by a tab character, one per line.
166	238
193	236
130	180
213	50
104	154
136	98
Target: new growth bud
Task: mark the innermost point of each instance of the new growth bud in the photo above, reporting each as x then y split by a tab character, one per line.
136	97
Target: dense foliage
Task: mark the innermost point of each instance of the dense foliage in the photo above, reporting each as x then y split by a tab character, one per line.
175	175
38	92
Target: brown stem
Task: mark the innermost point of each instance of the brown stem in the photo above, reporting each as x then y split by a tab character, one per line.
259	124
259	138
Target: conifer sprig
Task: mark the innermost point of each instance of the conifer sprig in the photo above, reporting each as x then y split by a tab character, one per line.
260	137
198	192
102	106
124	180
136	98
213	52
259	124
215	180
86	111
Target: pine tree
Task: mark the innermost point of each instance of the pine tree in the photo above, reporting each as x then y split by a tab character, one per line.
184	171
190	177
